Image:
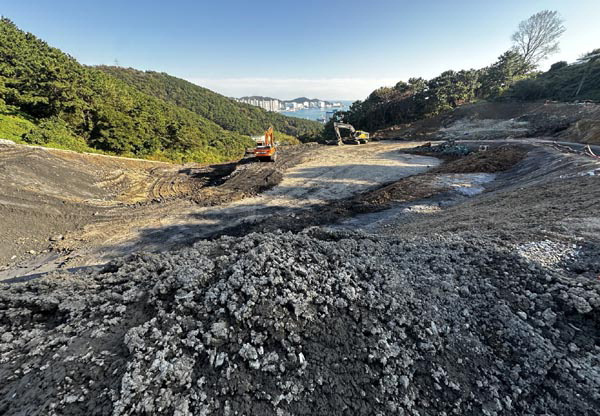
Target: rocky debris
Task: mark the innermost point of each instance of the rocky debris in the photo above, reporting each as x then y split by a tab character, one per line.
496	159
448	148
548	253
312	323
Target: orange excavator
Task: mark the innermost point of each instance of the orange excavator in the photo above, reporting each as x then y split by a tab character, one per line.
266	150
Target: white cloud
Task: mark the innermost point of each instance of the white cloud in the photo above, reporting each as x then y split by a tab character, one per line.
289	88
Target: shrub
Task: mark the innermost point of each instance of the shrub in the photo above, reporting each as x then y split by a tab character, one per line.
529	89
558	65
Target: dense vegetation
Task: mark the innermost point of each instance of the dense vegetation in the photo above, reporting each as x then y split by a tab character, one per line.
563	82
227	113
48	98
420	98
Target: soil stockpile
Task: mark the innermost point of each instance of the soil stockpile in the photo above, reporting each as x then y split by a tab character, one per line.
490	161
310	324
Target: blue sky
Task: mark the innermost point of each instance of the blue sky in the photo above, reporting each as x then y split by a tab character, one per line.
330	49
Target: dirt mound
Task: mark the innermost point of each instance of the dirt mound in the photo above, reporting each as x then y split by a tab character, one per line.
490	161
586	130
42	196
315	323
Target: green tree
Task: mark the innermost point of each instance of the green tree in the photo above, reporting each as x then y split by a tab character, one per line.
496	79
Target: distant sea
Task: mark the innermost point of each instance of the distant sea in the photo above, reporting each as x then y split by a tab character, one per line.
316	113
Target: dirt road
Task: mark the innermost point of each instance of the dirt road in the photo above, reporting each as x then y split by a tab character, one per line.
178	216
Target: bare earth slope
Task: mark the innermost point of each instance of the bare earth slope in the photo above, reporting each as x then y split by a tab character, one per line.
572	122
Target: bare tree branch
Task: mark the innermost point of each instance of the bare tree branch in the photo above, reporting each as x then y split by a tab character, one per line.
537	37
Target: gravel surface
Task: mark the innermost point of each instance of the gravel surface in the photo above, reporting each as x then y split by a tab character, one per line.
547	252
317	323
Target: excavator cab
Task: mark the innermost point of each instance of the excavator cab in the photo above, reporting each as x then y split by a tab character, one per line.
266	150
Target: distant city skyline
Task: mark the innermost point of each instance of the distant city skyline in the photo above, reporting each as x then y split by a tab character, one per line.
275	104
334	50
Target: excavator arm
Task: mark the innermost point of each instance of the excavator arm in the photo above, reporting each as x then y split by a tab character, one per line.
338	126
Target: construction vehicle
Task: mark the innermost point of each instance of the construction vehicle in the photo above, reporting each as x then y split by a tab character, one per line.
356	136
266	150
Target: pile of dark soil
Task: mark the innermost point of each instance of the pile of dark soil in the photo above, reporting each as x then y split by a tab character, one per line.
490	161
448	150
316	323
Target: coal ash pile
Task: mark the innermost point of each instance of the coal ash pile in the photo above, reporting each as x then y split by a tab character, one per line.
315	323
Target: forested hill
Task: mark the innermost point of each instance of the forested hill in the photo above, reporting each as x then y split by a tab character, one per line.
563	81
227	113
48	98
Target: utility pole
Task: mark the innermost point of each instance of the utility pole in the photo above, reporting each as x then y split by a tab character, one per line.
586	60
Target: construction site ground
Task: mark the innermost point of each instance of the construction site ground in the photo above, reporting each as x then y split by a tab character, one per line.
63	210
339	280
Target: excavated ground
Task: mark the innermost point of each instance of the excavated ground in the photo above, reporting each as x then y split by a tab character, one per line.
181	205
476	290
572	122
55	201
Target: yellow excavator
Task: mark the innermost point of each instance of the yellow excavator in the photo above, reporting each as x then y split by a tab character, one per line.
266	150
356	136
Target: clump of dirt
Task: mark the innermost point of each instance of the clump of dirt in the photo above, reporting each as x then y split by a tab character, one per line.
490	161
405	190
316	323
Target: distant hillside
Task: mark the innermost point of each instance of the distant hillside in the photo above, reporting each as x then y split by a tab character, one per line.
48	98
227	113
257	97
304	99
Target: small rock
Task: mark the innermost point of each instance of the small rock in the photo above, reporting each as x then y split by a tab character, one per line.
581	305
248	352
549	316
